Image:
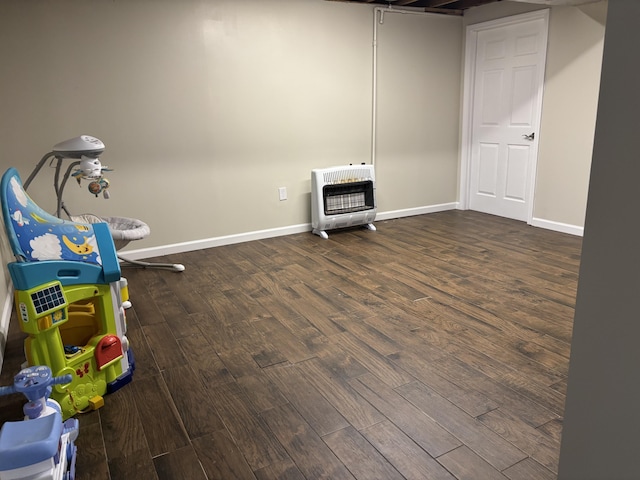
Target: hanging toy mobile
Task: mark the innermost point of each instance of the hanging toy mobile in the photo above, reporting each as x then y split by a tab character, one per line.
85	150
91	169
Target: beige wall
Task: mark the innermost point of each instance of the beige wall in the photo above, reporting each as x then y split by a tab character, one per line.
418	110
576	39
572	80
207	107
602	392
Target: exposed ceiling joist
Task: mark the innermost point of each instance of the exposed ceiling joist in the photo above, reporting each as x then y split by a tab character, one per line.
457	7
451	7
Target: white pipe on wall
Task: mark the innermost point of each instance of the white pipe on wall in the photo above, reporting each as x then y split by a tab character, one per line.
378	19
374	84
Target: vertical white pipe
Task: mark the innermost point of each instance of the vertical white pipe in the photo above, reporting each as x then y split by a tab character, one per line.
374	85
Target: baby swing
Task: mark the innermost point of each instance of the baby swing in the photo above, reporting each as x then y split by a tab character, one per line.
85	150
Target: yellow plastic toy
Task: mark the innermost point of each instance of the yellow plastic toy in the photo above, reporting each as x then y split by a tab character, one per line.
69	297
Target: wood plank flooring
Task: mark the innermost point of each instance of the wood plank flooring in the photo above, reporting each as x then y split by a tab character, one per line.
434	348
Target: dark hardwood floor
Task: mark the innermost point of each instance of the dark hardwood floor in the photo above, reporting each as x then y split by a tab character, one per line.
434	348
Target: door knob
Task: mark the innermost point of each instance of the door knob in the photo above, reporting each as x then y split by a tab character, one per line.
529	137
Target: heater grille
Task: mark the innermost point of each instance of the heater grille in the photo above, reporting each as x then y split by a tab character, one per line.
348	202
348	197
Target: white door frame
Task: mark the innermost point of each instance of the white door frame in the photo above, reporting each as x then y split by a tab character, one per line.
468	101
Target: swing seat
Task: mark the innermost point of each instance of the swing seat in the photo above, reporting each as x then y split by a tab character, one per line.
123	229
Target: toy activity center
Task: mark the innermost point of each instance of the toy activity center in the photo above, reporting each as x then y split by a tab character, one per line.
70	298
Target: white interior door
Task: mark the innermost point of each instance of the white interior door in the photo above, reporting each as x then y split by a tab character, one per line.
505	95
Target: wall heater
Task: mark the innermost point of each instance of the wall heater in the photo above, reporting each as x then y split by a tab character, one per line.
343	196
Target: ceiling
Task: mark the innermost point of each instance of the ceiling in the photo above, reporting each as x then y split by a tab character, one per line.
453	7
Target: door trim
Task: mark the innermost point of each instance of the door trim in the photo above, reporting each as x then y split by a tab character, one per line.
471	44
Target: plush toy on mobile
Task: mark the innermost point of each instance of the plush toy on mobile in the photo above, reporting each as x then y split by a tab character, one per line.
91	169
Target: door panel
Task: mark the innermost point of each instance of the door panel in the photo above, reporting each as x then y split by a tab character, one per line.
491	93
523	89
488	171
517	163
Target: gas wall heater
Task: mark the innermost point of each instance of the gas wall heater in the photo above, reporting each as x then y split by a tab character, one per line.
343	196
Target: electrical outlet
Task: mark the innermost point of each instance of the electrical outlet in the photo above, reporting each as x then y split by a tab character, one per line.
282	193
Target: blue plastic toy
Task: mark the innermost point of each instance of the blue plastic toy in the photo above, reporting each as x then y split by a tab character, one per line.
41	446
70	299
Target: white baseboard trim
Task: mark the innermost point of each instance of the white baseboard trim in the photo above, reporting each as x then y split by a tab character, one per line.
159	251
5	317
558	226
409	212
